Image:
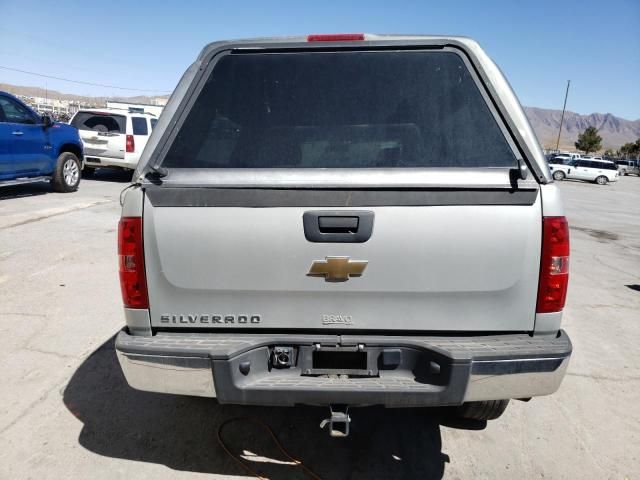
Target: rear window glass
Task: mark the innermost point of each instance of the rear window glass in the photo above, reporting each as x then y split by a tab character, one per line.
100	122
139	126
340	110
153	123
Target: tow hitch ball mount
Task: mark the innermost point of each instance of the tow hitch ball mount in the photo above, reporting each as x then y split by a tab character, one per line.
339	416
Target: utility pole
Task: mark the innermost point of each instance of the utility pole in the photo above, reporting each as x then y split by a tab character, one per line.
562	117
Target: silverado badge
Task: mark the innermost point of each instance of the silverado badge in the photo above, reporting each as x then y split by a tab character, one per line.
337	269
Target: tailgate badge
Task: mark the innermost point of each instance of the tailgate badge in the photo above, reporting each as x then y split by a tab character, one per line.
337	269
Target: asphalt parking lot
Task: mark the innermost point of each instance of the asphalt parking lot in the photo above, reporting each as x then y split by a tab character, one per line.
66	411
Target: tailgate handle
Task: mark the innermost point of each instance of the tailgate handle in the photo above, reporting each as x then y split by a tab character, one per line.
338	226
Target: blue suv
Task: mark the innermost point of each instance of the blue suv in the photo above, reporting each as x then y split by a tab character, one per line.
34	148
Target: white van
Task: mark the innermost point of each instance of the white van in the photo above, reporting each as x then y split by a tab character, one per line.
599	171
112	137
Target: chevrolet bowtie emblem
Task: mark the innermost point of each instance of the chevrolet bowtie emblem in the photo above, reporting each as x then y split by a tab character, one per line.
337	269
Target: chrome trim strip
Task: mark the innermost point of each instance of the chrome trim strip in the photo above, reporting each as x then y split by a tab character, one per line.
24	180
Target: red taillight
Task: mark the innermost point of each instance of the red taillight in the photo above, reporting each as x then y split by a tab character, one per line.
131	144
335	37
133	282
554	265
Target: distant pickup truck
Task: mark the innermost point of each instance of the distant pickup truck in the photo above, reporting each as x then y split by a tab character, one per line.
628	167
33	148
345	220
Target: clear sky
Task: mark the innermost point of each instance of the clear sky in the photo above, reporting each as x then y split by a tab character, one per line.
147	45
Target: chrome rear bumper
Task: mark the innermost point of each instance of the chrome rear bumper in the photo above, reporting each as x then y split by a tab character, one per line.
502	379
164	374
476	368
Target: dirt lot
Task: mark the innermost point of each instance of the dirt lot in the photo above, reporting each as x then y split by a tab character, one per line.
66	412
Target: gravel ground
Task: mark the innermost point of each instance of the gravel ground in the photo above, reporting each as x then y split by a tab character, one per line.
66	411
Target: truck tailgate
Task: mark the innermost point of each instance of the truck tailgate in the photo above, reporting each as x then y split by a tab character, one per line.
429	268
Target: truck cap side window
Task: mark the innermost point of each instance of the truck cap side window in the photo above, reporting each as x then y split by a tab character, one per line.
375	109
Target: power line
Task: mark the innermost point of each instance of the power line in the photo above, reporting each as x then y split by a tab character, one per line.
80	82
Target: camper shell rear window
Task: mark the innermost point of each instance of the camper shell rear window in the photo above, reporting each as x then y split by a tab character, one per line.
355	109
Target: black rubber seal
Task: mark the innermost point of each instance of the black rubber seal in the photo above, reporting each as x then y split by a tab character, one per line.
259	197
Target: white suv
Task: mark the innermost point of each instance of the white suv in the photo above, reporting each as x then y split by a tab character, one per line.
599	171
112	137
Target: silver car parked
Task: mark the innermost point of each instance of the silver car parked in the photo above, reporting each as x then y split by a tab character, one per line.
345	220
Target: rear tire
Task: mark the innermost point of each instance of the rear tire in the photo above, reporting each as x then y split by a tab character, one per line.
66	175
484	410
88	171
559	175
602	180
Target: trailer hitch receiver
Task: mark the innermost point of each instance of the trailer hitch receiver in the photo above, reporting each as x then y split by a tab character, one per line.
338	421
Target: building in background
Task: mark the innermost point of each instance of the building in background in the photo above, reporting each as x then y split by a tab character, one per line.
63	110
60	110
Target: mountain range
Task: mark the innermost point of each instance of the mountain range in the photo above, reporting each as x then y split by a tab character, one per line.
615	131
53	94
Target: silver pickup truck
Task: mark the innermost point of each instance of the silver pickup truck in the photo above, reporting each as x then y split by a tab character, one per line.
344	220
628	167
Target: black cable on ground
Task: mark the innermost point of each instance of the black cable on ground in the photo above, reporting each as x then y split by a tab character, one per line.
235	457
